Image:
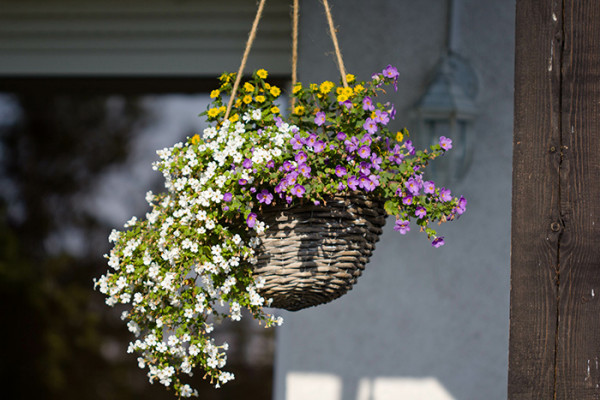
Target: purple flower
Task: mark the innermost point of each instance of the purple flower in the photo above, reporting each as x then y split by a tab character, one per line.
227	197
298	190
381	117
280	186
366	140
370	126
297	142
319	146
352	144
410	148
311	140
347	104
365	168
445	195
300	157
340	171
364	151
304	170
341	136
316	202
247	163
242	182
290	178
438	242
429	187
264	197
341	186
352	182
407	200
368	104
390	72
420	212
270	164
445	143
251	220
376	160
278	122
320	118
402	226
252	189
413	186
462	205
287	166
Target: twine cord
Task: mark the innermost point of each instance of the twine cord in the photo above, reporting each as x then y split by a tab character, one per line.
245	57
296	13
336	46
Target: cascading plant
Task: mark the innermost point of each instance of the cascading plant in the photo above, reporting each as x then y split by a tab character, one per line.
189	263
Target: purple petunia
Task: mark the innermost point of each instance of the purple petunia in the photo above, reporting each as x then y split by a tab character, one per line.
264	197
410	148
247	163
462	205
227	197
311	140
420	212
319	146
368	104
320	118
300	157
402	226
364	152
351	145
376	161
390	72
445	195
407	200
429	187
304	170
370	126
445	143
438	242
340	136
381	117
298	190
341	186
270	164
340	171
251	220
287	166
413	186
352	182
297	142
242	182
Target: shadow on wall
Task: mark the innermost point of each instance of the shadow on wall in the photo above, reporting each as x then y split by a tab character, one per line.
302	385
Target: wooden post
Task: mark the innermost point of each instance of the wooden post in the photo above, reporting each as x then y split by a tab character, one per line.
554	350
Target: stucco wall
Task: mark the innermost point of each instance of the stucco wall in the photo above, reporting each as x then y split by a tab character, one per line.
421	323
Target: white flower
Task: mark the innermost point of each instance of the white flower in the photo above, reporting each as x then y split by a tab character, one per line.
186	390
173	341
114	236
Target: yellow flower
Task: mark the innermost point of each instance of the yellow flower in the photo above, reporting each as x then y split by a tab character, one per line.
238	102
326	87
262	74
275	110
373	115
275	91
215	93
260	98
222	109
349	78
348	91
234	118
297	87
399	136
195	139
213	112
339	90
248	87
358	88
247	99
225	77
267	86
314	87
299	110
342	97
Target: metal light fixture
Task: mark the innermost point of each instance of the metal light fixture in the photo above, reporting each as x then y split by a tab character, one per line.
448	109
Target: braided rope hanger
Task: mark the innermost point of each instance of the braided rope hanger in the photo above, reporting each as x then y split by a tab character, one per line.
296	13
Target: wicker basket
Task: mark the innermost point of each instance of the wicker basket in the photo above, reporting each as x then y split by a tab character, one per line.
311	254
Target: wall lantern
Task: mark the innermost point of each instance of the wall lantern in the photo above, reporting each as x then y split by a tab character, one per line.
447	109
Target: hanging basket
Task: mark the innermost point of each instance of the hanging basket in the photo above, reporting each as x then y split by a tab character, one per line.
313	254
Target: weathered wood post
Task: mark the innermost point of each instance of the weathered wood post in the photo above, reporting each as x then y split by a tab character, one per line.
555	263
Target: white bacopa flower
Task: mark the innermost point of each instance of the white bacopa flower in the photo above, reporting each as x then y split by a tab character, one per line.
114	236
173	341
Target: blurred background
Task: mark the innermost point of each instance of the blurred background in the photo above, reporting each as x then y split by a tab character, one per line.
89	90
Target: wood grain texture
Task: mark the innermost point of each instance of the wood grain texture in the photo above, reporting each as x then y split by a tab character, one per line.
578	352
536	185
554	350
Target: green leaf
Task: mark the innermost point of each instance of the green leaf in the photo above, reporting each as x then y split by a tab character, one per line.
391	207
